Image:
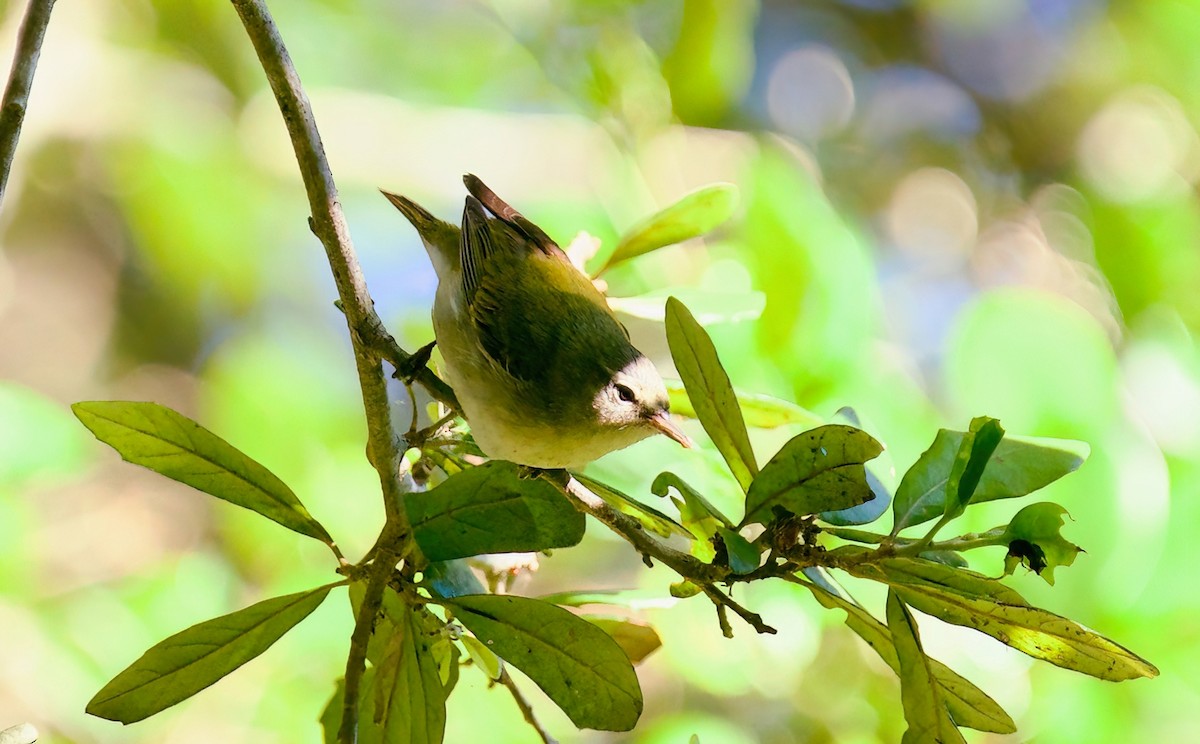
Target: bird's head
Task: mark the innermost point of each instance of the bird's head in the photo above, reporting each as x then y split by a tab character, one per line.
637	397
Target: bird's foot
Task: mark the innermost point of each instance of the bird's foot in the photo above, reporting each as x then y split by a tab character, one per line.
412	366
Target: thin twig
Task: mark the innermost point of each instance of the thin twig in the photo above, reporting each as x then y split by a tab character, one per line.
329	224
629	528
526	709
20	80
364	623
723	600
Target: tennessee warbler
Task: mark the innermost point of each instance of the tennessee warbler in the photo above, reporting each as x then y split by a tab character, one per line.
544	372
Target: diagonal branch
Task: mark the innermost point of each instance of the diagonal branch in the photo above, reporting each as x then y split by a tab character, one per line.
20	80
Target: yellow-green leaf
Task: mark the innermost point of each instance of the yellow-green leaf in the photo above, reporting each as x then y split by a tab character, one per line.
759	411
170	443
187	662
692	216
968	705
638	640
710	391
928	720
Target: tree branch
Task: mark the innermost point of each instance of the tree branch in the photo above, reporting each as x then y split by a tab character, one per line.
329	224
629	528
20	80
526	709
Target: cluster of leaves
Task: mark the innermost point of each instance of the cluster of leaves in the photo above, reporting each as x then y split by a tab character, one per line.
819	483
801	523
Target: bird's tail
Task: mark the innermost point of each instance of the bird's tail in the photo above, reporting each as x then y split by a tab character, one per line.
440	238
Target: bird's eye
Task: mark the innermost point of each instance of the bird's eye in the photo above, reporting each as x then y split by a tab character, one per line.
625	394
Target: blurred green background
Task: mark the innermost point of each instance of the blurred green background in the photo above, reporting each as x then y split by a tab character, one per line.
949	208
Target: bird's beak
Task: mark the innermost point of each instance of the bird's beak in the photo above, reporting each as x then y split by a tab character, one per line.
662	421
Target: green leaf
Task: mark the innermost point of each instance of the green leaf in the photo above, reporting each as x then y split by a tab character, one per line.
976	449
692	216
819	470
951	558
760	411
684	589
579	666
170	443
937	576
187	662
491	509
483	657
1034	539
1019	466
968	705
710	391
695	501
331	717
406	702
708	306
649	517
928	720
696	513
871	510
743	556
1031	630
637	640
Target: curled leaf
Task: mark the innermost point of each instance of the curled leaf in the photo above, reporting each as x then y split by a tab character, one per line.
1034	540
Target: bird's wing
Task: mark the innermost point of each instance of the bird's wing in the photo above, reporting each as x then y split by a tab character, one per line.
534	236
510	292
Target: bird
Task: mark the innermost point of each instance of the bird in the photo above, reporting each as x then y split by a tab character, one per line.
544	373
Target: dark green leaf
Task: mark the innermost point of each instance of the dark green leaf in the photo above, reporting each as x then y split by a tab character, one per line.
1020	465
950	558
743	556
406	702
579	666
649	517
1031	630
491	509
693	498
869	511
928	720
1038	526
690	217
968	705
977	446
191	660
170	443
637	640
760	411
819	470
331	717
710	391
